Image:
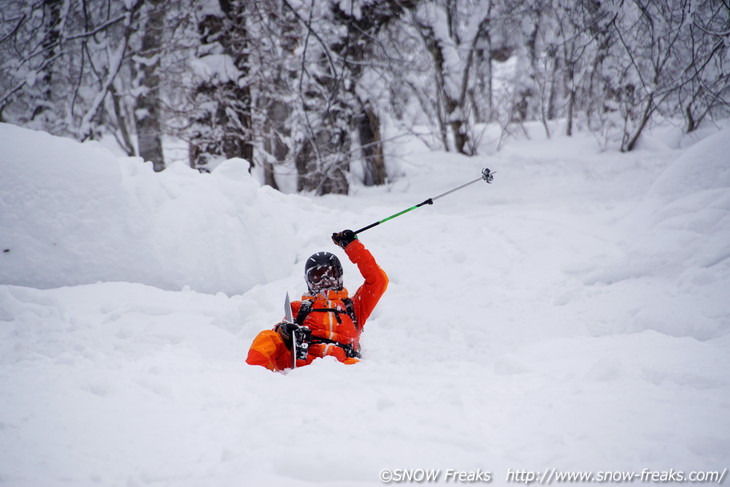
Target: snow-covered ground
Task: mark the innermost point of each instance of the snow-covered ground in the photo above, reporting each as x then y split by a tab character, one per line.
573	315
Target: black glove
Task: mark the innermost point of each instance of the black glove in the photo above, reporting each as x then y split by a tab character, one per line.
344	238
285	330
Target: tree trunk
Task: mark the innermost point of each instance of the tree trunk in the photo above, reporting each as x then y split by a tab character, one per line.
274	129
51	47
372	147
629	140
147	113
124	138
236	118
571	109
570	85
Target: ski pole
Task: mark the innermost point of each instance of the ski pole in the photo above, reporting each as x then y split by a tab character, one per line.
290	319
487	176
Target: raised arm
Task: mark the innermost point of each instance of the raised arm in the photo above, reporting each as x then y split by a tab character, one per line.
376	281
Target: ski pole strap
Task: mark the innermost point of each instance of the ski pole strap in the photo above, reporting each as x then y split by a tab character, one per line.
350	350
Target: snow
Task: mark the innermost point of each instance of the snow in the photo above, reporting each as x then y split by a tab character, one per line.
73	217
572	315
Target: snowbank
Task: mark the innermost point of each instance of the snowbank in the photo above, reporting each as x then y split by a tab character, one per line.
76	214
690	203
678	236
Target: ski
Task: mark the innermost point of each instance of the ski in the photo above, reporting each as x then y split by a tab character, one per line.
289	319
300	336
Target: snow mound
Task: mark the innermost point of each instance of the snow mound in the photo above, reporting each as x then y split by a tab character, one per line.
677	238
691	204
76	214
687	210
702	167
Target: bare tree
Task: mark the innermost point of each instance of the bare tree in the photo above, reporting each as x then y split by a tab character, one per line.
706	78
222	99
454	34
148	105
657	65
65	60
305	86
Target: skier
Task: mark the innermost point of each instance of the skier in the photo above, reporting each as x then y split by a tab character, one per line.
335	319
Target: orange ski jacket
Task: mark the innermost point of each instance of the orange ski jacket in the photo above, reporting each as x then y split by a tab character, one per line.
328	326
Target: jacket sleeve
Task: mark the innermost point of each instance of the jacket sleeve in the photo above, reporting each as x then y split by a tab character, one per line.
376	281
268	350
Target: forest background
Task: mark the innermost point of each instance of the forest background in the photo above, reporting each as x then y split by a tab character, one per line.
313	91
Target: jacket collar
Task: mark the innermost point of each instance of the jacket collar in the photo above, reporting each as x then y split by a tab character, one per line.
327	295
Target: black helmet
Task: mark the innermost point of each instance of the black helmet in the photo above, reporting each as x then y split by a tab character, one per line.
323	272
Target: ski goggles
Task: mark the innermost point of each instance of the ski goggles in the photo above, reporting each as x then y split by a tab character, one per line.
323	274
